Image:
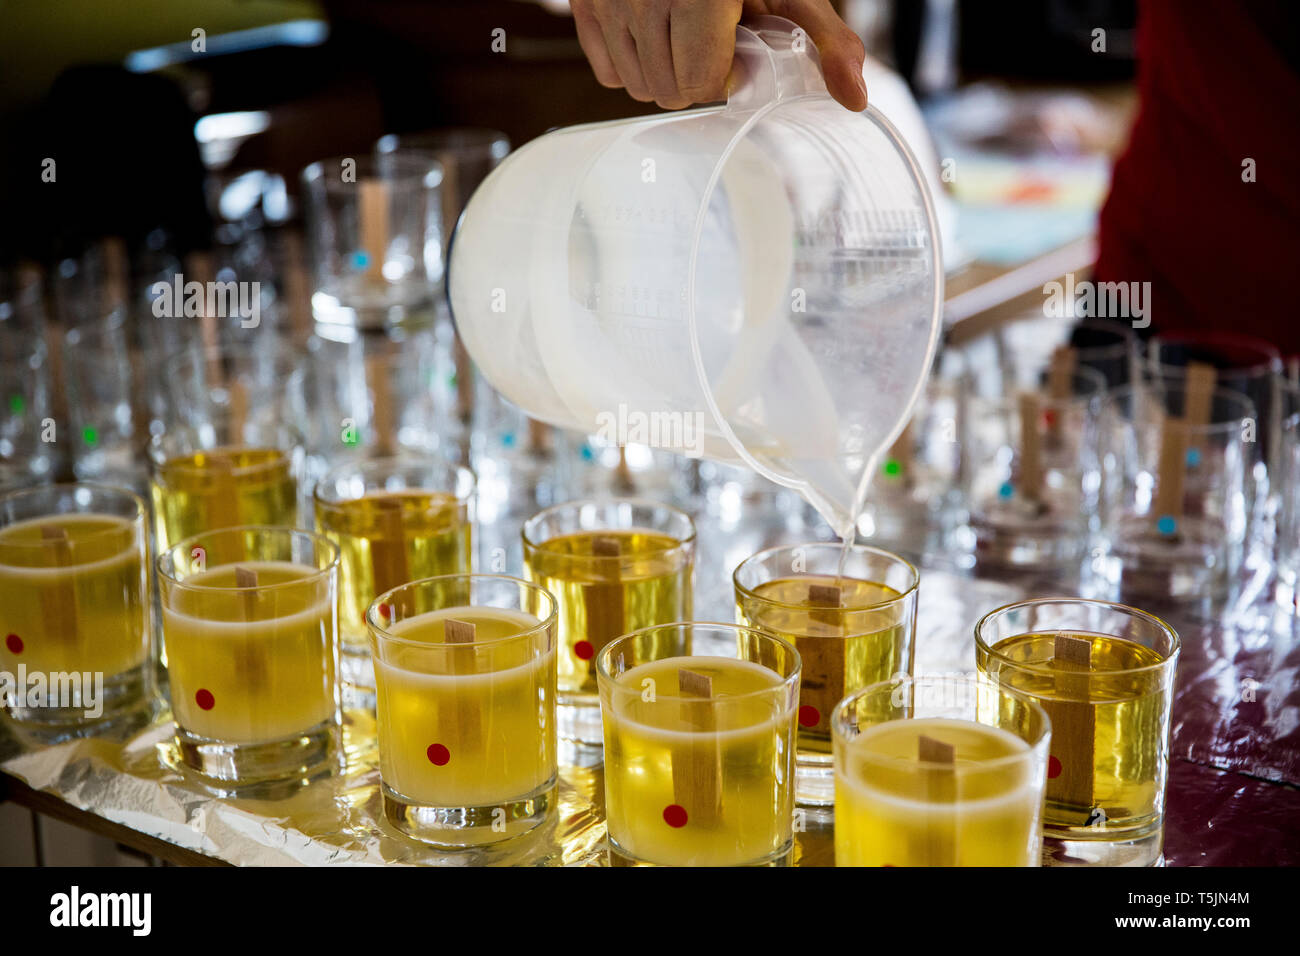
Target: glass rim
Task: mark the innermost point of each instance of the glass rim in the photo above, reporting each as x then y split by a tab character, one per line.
606	654
70	486
381	632
461	140
411	169
1166	661
577	504
1113	398
1271	355
1125	343
160	460
856	547
839	720
186	545
390	464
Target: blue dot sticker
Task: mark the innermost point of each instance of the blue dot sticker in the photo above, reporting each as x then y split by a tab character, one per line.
1167	524
359	259
587	453
508	439
1007	489
1193	457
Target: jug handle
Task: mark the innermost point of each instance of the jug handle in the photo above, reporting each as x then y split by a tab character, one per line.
775	60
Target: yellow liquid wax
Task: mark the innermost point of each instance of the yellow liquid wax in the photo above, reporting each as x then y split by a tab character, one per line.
265	672
390	538
482	735
601	598
222	488
842	650
729	790
80	608
892	810
1110	731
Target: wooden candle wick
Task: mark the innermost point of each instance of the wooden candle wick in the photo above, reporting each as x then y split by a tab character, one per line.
463	661
539	438
939	780
697	765
372	212
822	684
223	506
238	411
1031	452
388	560
246	579
1167	504
59	603
1073	722
1198	402
603	598
1060	381
383	421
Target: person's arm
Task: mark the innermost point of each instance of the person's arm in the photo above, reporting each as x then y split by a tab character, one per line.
679	52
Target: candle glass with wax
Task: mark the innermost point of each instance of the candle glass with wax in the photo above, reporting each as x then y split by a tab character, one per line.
1176	500
853	625
374	229
250	617
74	606
227	472
699	724
1031	460
1104	673
615	566
465	701
394	520
939	771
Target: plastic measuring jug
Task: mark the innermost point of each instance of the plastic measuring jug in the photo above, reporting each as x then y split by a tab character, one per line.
760	280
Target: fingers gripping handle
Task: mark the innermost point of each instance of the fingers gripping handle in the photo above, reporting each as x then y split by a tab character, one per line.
775	60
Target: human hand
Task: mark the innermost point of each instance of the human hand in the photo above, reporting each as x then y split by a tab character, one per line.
679	52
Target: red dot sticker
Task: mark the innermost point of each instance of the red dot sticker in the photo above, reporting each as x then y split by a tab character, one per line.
14	643
1053	768
1049	416
205	699
675	816
438	755
809	716
584	650
385	612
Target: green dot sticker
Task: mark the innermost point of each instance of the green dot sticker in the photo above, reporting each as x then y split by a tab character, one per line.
893	467
16	404
89	435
